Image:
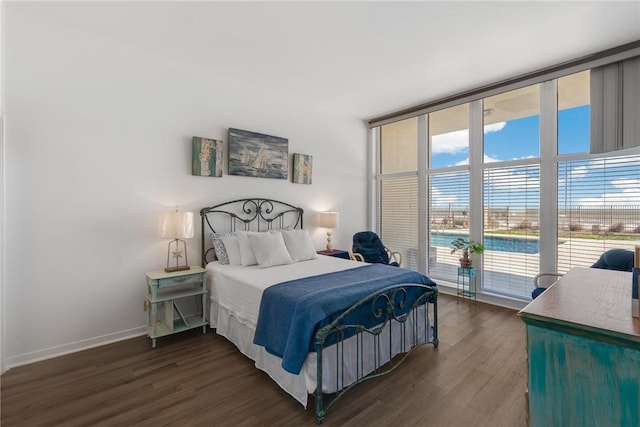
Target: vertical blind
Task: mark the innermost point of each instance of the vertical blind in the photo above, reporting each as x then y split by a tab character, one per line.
615	106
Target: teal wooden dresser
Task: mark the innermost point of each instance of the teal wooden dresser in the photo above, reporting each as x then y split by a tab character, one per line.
583	350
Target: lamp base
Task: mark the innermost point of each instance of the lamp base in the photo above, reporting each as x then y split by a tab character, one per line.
180	268
177	254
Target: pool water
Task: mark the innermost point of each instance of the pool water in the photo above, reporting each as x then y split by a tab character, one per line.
492	243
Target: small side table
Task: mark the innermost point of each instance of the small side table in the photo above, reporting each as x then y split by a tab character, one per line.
338	253
164	290
467	281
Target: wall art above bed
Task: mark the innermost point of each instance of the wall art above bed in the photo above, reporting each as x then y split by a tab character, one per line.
302	168
207	157
258	155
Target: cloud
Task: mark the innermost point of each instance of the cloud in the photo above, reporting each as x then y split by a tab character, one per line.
494	127
508	180
458	141
450	143
629	194
440	199
487	159
579	172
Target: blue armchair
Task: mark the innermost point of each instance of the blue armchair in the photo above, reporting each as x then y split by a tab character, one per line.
613	259
367	247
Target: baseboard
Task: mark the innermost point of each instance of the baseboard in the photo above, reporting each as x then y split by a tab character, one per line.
51	352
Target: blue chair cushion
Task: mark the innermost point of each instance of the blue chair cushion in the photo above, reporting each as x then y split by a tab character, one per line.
615	259
536	292
369	245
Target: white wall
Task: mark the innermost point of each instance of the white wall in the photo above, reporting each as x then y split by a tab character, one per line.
99	143
2	193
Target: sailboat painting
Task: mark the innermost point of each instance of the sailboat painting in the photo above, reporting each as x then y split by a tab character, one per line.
258	155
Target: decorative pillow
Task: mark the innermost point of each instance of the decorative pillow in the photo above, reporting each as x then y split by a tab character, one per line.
269	249
299	245
232	246
218	246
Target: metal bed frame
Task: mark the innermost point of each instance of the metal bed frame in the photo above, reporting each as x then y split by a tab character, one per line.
413	308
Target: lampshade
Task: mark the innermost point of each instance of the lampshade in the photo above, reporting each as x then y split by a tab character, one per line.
329	219
176	225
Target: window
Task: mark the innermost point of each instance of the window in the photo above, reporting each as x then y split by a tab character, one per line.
399	146
511	193
399	189
448	188
399	218
511	229
573	113
448	219
449	137
598	208
598	197
514	170
512	125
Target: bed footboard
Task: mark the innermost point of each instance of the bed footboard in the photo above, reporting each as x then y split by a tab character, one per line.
396	321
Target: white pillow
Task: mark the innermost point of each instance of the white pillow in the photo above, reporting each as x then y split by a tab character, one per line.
232	246
269	249
246	253
299	245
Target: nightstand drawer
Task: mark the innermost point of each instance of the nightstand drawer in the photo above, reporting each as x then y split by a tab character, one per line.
180	280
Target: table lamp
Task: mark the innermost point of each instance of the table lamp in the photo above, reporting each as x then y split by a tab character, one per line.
177	226
329	220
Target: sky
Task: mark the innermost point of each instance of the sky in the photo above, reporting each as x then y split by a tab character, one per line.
515	139
520	139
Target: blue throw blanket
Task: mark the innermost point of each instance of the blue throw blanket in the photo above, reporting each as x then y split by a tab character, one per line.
290	311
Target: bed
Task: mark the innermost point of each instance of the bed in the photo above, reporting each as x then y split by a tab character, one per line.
315	324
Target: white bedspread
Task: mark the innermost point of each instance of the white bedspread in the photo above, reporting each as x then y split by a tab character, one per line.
235	295
239	289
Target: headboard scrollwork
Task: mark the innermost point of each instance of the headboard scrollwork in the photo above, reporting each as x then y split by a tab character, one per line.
255	214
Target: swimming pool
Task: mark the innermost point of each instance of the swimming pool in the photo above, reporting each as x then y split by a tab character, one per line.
492	243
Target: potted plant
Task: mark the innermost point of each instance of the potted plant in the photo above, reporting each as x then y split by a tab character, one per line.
467	247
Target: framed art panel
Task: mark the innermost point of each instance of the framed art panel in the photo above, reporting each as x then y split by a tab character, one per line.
302	168
207	157
258	155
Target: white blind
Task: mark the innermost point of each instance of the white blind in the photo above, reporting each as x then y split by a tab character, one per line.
448	219
399	217
511	229
598	208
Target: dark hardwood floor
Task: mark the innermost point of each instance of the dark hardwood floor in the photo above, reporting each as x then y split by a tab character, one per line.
476	377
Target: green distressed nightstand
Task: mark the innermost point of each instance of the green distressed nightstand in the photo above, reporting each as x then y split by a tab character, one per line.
164	290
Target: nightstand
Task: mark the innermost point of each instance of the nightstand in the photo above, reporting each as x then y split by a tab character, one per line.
164	290
338	253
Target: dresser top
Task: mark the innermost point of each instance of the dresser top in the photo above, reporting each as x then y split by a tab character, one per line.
588	299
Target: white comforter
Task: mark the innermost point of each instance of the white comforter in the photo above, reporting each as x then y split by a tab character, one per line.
239	289
235	295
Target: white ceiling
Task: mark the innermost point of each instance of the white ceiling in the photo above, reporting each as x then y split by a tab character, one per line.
360	59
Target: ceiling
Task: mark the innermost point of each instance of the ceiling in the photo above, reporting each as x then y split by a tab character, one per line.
359	59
